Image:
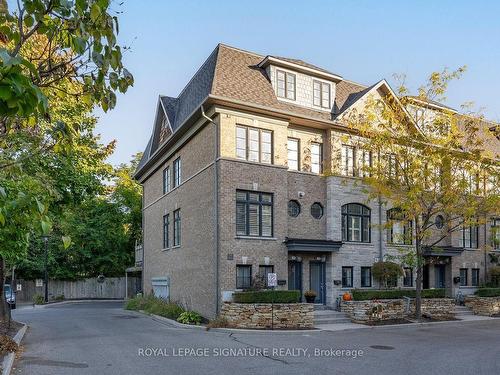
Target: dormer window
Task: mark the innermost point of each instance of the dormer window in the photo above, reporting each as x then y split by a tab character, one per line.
321	94
285	84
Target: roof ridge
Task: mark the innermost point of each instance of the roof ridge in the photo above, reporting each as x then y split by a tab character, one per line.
356	83
241	50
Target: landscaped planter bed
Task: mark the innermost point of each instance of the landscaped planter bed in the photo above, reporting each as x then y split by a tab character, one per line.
374	311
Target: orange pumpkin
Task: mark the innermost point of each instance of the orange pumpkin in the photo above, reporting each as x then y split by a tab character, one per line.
347	296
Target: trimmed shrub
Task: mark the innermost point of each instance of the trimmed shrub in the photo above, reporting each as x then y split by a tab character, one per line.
156	306
488	292
268	296
189	317
495	276
38	299
384	272
363	295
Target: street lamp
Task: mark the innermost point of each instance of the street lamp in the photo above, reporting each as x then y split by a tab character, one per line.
46	241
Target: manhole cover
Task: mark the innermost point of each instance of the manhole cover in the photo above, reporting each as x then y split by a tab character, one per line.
125	316
382	347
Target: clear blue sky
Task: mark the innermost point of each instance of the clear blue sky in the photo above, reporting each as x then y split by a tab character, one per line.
362	41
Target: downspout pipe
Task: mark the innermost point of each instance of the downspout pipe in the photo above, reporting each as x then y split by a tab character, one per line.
216	210
380	231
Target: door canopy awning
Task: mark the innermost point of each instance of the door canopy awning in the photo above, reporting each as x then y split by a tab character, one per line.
443	251
308	245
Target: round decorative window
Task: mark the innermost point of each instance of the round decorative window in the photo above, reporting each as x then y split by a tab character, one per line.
439	221
317	210
293	208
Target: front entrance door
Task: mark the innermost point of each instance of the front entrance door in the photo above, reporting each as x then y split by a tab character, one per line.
440	275
425	279
295	276
317	280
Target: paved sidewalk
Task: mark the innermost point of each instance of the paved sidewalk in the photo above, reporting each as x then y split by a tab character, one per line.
345	326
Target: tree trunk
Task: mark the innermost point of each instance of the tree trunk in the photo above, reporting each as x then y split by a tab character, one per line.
4	310
418	291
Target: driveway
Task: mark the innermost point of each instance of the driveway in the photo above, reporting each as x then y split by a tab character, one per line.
101	338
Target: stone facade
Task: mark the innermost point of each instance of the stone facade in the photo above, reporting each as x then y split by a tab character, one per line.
265	315
487	306
397	309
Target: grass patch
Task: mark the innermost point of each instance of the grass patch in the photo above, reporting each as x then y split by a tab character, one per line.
363	295
267	296
488	292
155	306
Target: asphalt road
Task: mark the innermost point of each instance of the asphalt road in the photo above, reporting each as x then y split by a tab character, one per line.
102	338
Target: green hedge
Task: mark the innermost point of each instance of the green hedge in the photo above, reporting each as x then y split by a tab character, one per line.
267	296
488	292
363	295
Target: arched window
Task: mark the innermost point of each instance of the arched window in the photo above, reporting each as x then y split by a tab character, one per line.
355	223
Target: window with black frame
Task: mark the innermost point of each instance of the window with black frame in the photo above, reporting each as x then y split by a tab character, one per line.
177	227
475	277
366	277
165	231
463	277
495	233
243	276
408	277
356	223
177	172
347	277
469	237
254	214
400	231
166	180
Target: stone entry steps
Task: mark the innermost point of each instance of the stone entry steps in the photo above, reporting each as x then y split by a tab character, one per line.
462	311
326	316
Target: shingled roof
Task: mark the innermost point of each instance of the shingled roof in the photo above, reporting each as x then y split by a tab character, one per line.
235	75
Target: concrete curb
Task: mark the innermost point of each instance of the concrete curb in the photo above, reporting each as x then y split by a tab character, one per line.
176	324
8	360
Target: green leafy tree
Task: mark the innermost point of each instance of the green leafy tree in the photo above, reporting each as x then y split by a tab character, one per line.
58	59
103	230
440	172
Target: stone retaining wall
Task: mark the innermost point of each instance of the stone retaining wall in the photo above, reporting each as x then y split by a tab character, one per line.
395	309
260	316
487	306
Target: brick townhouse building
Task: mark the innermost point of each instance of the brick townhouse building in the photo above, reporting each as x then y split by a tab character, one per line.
247	172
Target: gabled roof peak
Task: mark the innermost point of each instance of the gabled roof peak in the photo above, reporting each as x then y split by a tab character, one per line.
299	65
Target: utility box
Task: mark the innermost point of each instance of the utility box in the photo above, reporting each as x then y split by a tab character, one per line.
161	287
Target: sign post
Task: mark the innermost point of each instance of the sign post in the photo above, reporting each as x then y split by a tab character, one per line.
272	281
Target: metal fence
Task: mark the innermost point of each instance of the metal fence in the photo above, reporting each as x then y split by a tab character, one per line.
110	288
